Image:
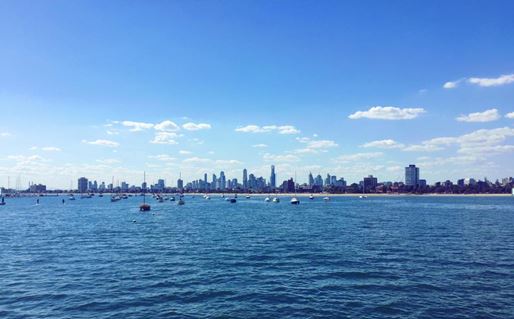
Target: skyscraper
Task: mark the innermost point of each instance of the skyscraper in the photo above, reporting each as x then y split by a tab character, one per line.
245	179
411	175
311	179
223	181
273	178
82	185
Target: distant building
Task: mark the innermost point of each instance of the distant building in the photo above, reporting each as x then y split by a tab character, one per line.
37	188
273	178
288	186
369	183
311	180
245	179
180	184
412	175
82	185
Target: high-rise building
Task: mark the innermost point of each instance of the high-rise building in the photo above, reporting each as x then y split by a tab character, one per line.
245	179
273	178
82	185
180	184
369	183
223	181
311	179
411	175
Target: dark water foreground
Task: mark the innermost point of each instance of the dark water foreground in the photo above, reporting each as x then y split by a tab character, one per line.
349	258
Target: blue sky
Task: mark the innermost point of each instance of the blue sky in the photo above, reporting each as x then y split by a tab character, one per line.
349	88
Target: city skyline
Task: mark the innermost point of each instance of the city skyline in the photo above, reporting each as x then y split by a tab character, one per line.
246	87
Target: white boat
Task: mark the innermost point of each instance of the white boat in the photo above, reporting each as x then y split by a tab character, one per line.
181	202
267	199
326	199
295	200
276	200
247	196
311	197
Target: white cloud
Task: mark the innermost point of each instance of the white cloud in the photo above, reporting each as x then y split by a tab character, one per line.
358	157
184	152
25	159
488	82
5	134
422	148
388	113
483	142
165	138
196	160
451	84
387	144
108	161
280	158
228	162
162	157
281	129
510	115
260	145
314	146
167	126
46	148
137	126
100	142
485	116
196	126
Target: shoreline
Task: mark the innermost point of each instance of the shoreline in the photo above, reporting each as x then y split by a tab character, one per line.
316	195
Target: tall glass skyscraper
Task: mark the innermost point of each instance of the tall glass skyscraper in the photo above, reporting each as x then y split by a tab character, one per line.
412	175
245	179
273	178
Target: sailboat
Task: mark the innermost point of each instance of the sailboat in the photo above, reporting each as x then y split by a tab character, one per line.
114	197
144	207
2	203
295	200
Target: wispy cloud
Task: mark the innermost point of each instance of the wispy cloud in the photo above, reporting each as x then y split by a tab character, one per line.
388	113
165	138
137	126
184	152
280	158
196	126
162	157
386	144
101	142
483	82
510	115
5	134
487	82
260	145
46	148
280	129
485	116
358	157
108	161
167	126
314	146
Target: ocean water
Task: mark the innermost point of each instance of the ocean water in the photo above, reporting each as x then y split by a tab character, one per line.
385	257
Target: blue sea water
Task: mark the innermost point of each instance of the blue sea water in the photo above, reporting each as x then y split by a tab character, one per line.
384	257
